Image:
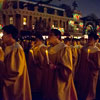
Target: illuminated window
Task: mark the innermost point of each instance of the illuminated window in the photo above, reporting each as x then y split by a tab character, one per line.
11	20
1	34
33	26
24	21
59	28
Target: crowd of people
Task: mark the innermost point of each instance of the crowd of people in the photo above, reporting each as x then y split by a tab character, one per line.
51	69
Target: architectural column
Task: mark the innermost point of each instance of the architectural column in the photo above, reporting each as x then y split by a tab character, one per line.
1	18
52	20
21	20
14	19
28	21
45	10
59	23
36	8
55	12
64	14
32	22
7	19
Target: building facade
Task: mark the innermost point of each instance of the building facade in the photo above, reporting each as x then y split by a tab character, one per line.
26	15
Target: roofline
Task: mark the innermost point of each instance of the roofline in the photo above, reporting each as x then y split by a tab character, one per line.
49	6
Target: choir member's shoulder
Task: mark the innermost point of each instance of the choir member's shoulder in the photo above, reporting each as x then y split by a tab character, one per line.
43	48
96	49
18	46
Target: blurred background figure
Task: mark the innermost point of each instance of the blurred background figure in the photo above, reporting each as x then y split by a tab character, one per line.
36	65
87	72
1	71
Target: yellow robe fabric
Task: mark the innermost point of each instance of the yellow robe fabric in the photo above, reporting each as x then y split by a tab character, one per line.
36	65
1	54
1	63
16	81
87	73
74	58
1	70
61	56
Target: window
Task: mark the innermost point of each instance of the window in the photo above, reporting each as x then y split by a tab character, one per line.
24	21
55	23
11	20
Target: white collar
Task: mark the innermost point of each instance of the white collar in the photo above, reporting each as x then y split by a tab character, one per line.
56	48
8	49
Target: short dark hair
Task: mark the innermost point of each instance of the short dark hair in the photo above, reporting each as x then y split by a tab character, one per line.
93	34
11	29
38	35
56	32
67	39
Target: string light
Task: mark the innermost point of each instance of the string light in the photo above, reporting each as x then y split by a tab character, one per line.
76	16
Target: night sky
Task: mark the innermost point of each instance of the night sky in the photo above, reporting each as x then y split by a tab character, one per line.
87	7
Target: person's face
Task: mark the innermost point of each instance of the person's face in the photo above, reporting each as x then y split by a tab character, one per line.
67	43
5	37
74	43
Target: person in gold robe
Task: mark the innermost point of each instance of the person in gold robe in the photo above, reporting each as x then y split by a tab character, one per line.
1	54
74	55
88	69
36	65
16	80
1	70
60	57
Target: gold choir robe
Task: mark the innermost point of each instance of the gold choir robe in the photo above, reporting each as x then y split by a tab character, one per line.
74	58
36	65
61	56
16	81
1	63
1	71
87	73
1	54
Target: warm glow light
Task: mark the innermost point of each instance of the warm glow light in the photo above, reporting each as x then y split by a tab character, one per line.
98	27
33	26
1	34
98	33
45	37
71	22
1	4
11	20
63	37
81	24
88	52
1	26
86	36
60	29
24	21
47	56
76	16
